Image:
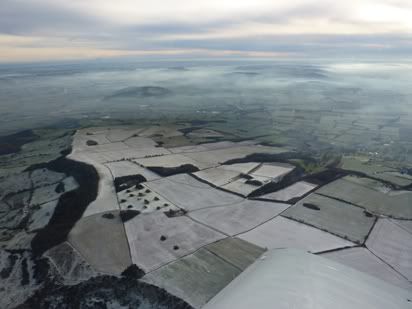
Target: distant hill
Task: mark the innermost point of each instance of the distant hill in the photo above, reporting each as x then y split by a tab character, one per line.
142	92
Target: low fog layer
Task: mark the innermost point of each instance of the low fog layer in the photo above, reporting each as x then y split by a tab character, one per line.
39	95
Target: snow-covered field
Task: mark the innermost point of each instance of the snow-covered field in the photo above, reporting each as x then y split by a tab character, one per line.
238	218
296	190
339	218
127	168
281	232
363	260
181	236
393	245
188	193
181	226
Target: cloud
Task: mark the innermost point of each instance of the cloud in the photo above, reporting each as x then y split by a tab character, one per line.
37	29
33	17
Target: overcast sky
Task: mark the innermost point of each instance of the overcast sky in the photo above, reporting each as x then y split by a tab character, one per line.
38	30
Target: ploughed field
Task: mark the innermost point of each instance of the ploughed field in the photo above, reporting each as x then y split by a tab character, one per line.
170	214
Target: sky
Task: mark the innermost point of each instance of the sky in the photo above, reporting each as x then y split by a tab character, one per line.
43	30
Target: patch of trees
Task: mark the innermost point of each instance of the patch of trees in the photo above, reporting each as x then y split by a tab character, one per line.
367	214
108	216
91	142
326	176
126	215
126	182
133	272
171	213
254	182
246	176
311	206
270	157
170	171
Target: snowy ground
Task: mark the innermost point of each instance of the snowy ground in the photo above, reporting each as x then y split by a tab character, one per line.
194	233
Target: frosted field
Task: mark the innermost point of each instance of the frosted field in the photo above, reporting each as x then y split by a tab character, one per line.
236	251
241	187
106	199
106	196
173	160
99	138
195	278
103	148
132	153
27	181
363	260
167	131
127	168
130	147
209	146
190	148
393	245
229	177
405	224
72	268
48	193
188	193
149	251
45	177
111	134
144	149
13	184
215	157
140	142
239	218
336	217
285	233
121	134
91	236
176	251
241	168
217	264
296	190
220	145
392	203
273	170
217	176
